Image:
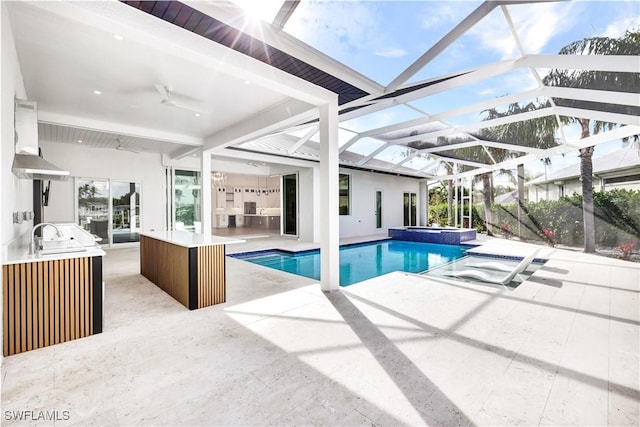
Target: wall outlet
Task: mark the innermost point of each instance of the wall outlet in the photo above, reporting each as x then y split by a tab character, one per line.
17	218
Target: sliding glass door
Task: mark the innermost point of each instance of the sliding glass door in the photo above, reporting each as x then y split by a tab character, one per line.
93	207
110	210
125	218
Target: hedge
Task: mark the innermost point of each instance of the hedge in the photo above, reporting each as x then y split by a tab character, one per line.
617	218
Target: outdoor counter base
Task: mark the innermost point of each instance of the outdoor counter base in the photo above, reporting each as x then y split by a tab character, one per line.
187	266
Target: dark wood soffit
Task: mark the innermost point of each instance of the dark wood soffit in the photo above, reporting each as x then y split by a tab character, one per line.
210	28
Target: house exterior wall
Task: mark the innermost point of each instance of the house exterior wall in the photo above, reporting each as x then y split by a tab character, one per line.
15	194
362	220
86	162
540	192
99	163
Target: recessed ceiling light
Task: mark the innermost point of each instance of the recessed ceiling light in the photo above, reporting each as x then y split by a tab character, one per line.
197	114
118	37
247	82
80	141
97	92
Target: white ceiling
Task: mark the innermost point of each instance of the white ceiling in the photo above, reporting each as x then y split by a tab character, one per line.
64	60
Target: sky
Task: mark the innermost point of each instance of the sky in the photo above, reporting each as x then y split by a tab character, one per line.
380	39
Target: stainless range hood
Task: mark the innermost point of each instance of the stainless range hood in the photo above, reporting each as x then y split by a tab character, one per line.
27	164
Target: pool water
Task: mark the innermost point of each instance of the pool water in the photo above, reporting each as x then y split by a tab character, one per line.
363	261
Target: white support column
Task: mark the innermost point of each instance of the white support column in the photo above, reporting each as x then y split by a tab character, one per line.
317	203
424	202
205	192
328	210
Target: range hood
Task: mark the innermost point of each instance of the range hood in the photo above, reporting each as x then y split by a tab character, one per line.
27	163
28	166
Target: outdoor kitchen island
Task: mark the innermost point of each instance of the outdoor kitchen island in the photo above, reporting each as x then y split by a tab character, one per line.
188	266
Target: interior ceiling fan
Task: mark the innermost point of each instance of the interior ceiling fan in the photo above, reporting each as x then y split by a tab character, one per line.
166	92
121	147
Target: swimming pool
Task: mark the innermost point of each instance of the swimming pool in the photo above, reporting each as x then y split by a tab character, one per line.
362	261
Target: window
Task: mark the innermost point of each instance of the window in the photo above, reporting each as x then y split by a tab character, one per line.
620	179
344	185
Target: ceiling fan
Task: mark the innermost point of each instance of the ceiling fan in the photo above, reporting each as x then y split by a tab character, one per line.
166	92
121	147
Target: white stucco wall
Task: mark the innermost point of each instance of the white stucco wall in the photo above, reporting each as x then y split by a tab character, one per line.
16	194
361	220
111	164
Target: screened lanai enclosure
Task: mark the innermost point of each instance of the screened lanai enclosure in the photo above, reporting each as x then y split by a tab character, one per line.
476	93
434	115
468	94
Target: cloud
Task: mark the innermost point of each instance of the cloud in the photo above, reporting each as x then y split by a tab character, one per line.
391	53
616	29
446	13
535	25
539	23
341	28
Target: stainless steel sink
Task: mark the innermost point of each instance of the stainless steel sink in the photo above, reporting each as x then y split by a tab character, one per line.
60	246
54	251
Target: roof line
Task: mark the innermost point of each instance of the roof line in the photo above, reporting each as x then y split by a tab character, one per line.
197	22
403	175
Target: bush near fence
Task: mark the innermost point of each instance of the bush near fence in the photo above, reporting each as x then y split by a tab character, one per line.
617	219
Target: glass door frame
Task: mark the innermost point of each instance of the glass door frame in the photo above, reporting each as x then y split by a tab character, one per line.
410	212
378	201
76	211
170	198
283	208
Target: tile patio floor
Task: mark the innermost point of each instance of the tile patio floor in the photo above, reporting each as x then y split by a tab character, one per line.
561	349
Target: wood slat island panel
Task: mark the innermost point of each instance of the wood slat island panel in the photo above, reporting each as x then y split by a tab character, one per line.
166	265
211	275
49	302
188	266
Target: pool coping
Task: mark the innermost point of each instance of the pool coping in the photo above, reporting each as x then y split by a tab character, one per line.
239	255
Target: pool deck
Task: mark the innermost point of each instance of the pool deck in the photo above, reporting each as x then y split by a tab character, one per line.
561	349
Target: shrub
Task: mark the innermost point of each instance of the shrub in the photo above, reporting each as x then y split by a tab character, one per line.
627	249
617	218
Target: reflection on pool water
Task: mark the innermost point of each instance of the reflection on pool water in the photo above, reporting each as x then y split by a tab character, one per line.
362	261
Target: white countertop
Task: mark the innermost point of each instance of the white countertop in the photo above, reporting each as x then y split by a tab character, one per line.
190	240
19	255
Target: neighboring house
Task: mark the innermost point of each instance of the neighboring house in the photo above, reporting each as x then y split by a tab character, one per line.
619	169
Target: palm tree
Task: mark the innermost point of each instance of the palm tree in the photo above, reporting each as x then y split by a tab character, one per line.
629	44
537	133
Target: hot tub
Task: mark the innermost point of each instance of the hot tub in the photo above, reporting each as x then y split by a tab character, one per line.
445	235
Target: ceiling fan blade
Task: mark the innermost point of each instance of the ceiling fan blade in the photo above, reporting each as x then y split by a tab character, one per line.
190	108
123	148
164	91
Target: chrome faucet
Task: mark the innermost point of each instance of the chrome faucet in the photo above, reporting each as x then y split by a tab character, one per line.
261	211
32	244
